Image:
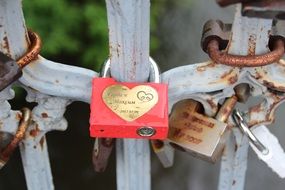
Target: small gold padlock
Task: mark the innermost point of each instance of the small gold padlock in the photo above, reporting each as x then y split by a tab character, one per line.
193	132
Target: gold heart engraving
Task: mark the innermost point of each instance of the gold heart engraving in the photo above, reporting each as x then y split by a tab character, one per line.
130	104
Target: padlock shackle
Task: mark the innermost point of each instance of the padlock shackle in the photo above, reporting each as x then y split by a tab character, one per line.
106	69
241	123
154	73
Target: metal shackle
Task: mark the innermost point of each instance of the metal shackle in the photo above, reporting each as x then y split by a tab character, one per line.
239	120
18	137
154	73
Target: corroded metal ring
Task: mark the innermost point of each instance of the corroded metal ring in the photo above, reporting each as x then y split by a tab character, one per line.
245	61
34	49
9	149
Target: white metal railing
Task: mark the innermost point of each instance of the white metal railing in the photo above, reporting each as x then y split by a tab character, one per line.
128	23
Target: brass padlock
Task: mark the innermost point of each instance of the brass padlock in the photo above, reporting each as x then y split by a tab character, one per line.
193	132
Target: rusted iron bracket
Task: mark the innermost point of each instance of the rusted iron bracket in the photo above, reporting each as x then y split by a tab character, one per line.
216	29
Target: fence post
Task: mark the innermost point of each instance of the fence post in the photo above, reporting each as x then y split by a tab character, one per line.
14	42
249	36
128	23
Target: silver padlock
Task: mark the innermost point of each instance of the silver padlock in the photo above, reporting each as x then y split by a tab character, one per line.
193	132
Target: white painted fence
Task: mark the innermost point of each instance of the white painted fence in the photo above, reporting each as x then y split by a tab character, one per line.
128	22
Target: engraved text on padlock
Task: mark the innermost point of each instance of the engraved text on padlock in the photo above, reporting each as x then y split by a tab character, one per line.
197	134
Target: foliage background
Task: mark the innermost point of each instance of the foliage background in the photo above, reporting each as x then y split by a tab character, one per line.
77	31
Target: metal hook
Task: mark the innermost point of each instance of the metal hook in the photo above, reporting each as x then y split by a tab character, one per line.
241	123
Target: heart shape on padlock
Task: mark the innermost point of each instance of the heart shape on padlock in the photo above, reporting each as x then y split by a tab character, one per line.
130	104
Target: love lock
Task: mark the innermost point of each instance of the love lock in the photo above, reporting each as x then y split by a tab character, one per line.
201	136
129	110
10	70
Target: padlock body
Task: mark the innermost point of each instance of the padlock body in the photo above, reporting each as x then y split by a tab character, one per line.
10	71
124	110
201	136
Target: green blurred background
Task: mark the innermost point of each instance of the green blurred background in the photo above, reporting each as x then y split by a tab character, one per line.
76	31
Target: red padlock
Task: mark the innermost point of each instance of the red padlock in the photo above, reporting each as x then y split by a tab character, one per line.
129	110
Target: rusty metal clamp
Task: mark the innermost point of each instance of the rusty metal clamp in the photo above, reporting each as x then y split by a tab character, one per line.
34	49
20	134
245	61
216	36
